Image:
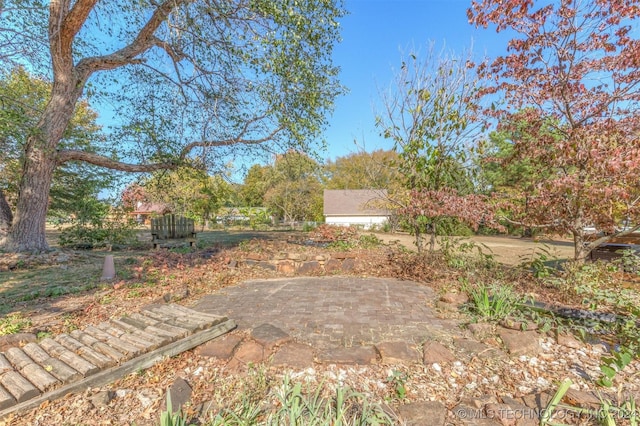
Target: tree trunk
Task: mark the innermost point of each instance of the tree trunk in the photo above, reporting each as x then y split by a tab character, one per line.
6	217
418	242
432	238
27	232
581	250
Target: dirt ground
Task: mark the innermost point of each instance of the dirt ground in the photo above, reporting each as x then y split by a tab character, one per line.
506	249
510	250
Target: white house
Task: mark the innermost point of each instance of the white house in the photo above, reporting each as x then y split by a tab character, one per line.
359	207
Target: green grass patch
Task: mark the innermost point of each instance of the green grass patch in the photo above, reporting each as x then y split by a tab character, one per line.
13	323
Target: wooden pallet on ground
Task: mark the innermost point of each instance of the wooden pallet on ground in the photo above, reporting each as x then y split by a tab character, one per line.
100	354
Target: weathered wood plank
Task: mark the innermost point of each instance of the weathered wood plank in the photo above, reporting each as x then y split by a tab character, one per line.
176	314
73	360
57	368
18	358
172	227
114	342
39	377
20	388
143	318
5	365
165	334
91	355
140	325
6	399
179	315
114	373
143	345
177	331
33	372
202	323
97	333
135	331
107	327
36	353
100	346
171	321
162	332
198	314
147	311
150	341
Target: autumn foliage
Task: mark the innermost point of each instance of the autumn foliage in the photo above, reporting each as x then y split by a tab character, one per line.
568	93
435	205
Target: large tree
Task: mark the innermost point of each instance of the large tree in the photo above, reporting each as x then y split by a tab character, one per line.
254	186
295	190
189	191
23	98
501	172
571	89
365	170
429	113
177	78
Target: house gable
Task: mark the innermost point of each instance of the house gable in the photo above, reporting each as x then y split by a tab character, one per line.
354	202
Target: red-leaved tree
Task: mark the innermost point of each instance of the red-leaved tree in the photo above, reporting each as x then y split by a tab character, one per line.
134	194
472	209
568	93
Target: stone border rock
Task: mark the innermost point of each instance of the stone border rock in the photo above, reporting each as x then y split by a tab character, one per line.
267	344
293	263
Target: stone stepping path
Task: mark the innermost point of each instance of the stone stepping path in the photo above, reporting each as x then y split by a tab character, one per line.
96	355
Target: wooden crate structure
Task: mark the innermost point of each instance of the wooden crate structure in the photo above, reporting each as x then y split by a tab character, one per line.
56	366
172	228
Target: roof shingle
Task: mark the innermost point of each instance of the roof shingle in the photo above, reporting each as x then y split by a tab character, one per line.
354	202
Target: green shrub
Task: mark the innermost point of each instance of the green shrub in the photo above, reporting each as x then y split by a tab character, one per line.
369	241
309	226
307	406
463	254
540	262
100	228
600	289
493	302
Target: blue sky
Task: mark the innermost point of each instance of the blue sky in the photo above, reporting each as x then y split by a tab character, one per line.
374	35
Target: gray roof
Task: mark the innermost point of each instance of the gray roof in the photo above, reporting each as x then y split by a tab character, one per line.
354	202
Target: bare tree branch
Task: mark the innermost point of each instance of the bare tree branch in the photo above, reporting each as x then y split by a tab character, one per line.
76	18
102	161
144	40
237	140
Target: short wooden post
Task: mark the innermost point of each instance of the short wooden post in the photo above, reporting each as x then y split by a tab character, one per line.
108	269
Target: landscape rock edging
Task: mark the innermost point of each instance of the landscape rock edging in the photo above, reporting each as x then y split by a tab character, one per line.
299	264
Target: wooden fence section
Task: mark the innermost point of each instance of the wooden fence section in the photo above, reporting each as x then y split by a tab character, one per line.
172	227
100	354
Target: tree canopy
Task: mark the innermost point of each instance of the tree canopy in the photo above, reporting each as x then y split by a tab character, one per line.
295	189
188	191
364	170
429	114
178	79
570	83
23	98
